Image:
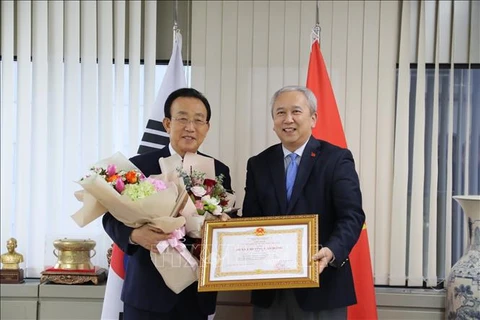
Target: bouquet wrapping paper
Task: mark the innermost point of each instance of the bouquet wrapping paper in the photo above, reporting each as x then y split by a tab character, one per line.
175	263
178	267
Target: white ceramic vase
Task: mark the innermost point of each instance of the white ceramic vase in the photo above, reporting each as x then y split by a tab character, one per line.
463	284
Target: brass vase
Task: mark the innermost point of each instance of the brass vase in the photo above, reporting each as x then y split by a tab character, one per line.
74	254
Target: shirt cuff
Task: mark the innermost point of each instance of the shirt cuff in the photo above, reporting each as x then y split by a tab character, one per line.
130	241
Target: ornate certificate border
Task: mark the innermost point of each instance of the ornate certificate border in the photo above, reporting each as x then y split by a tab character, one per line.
259	253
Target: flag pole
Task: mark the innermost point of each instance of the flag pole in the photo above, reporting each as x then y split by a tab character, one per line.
176	29
317	29
155	136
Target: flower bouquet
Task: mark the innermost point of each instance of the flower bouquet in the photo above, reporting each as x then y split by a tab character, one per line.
116	185
208	199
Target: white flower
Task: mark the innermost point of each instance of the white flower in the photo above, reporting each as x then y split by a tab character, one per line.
210	201
198	191
210	204
217	211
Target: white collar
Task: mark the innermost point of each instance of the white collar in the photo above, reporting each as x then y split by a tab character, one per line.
170	148
172	151
299	151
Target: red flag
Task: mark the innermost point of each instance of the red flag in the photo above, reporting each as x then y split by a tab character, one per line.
329	128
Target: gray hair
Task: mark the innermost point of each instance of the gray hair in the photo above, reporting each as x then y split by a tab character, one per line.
311	99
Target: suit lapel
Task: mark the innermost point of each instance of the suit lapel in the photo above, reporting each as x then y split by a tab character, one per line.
309	157
277	171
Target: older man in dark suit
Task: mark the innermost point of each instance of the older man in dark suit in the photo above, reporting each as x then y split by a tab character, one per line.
145	294
303	175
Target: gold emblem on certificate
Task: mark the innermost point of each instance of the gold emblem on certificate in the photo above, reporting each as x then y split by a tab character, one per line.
259	253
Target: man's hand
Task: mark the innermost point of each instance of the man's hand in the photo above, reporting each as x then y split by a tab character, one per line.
148	237
323	257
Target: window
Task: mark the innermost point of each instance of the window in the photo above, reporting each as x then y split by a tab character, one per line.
39	182
454	141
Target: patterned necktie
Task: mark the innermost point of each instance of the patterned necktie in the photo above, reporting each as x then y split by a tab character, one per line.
291	174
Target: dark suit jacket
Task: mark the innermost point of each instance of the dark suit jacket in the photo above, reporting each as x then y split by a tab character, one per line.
144	287
326	184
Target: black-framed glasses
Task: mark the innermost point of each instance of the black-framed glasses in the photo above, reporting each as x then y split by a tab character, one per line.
185	121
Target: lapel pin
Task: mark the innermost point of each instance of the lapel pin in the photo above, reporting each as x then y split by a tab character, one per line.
312	154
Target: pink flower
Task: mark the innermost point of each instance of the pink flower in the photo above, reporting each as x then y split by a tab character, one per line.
158	184
120	185
111	169
199	204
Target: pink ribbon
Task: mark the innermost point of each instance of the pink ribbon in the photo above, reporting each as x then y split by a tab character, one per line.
176	243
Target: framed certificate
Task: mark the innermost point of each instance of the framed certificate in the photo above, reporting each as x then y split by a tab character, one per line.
259	253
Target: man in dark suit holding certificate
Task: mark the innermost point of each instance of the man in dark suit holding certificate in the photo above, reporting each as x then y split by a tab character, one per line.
145	294
303	175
